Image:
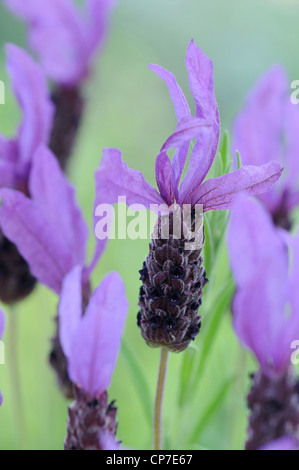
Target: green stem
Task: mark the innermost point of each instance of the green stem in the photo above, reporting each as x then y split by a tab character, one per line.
15	377
158	435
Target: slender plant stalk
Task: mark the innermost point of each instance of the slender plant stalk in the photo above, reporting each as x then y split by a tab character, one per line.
15	377
158	435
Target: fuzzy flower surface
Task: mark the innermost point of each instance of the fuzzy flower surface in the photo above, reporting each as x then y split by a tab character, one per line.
266	129
30	88
2	325
116	179
64	36
48	229
266	303
91	344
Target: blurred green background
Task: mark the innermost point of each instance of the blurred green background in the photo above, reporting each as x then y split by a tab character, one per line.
129	108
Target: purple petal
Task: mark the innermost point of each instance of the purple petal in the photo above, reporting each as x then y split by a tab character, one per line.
163	177
30	88
70	308
220	193
64	55
97	340
56	199
8	176
283	443
98	12
179	101
2	323
201	159
1	398
259	315
258	128
108	442
187	129
259	260
200	71
114	179
38	241
251	236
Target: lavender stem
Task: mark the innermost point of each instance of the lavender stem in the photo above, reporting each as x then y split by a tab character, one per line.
15	376
158	435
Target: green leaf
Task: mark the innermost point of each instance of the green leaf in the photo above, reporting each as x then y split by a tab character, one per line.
140	382
212	408
239	161
220	307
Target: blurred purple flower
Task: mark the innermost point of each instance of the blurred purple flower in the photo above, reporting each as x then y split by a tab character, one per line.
266	129
115	179
49	229
266	304
30	88
266	317
2	324
91	344
284	443
64	37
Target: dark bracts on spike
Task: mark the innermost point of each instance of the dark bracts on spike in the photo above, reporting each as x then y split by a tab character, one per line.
274	409
170	296
16	281
69	109
88	417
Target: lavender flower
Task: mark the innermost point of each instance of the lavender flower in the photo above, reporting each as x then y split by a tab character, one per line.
65	38
283	443
50	232
267	129
173	278
91	344
266	318
2	324
30	88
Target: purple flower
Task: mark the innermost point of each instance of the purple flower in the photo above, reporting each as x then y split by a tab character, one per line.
115	179
49	229
267	129
266	317
265	307
91	344
283	443
63	37
30	88
2	324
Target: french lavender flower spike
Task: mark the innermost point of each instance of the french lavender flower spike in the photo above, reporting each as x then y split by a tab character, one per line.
266	129
91	344
65	56
30	88
51	234
264	290
173	276
2	325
